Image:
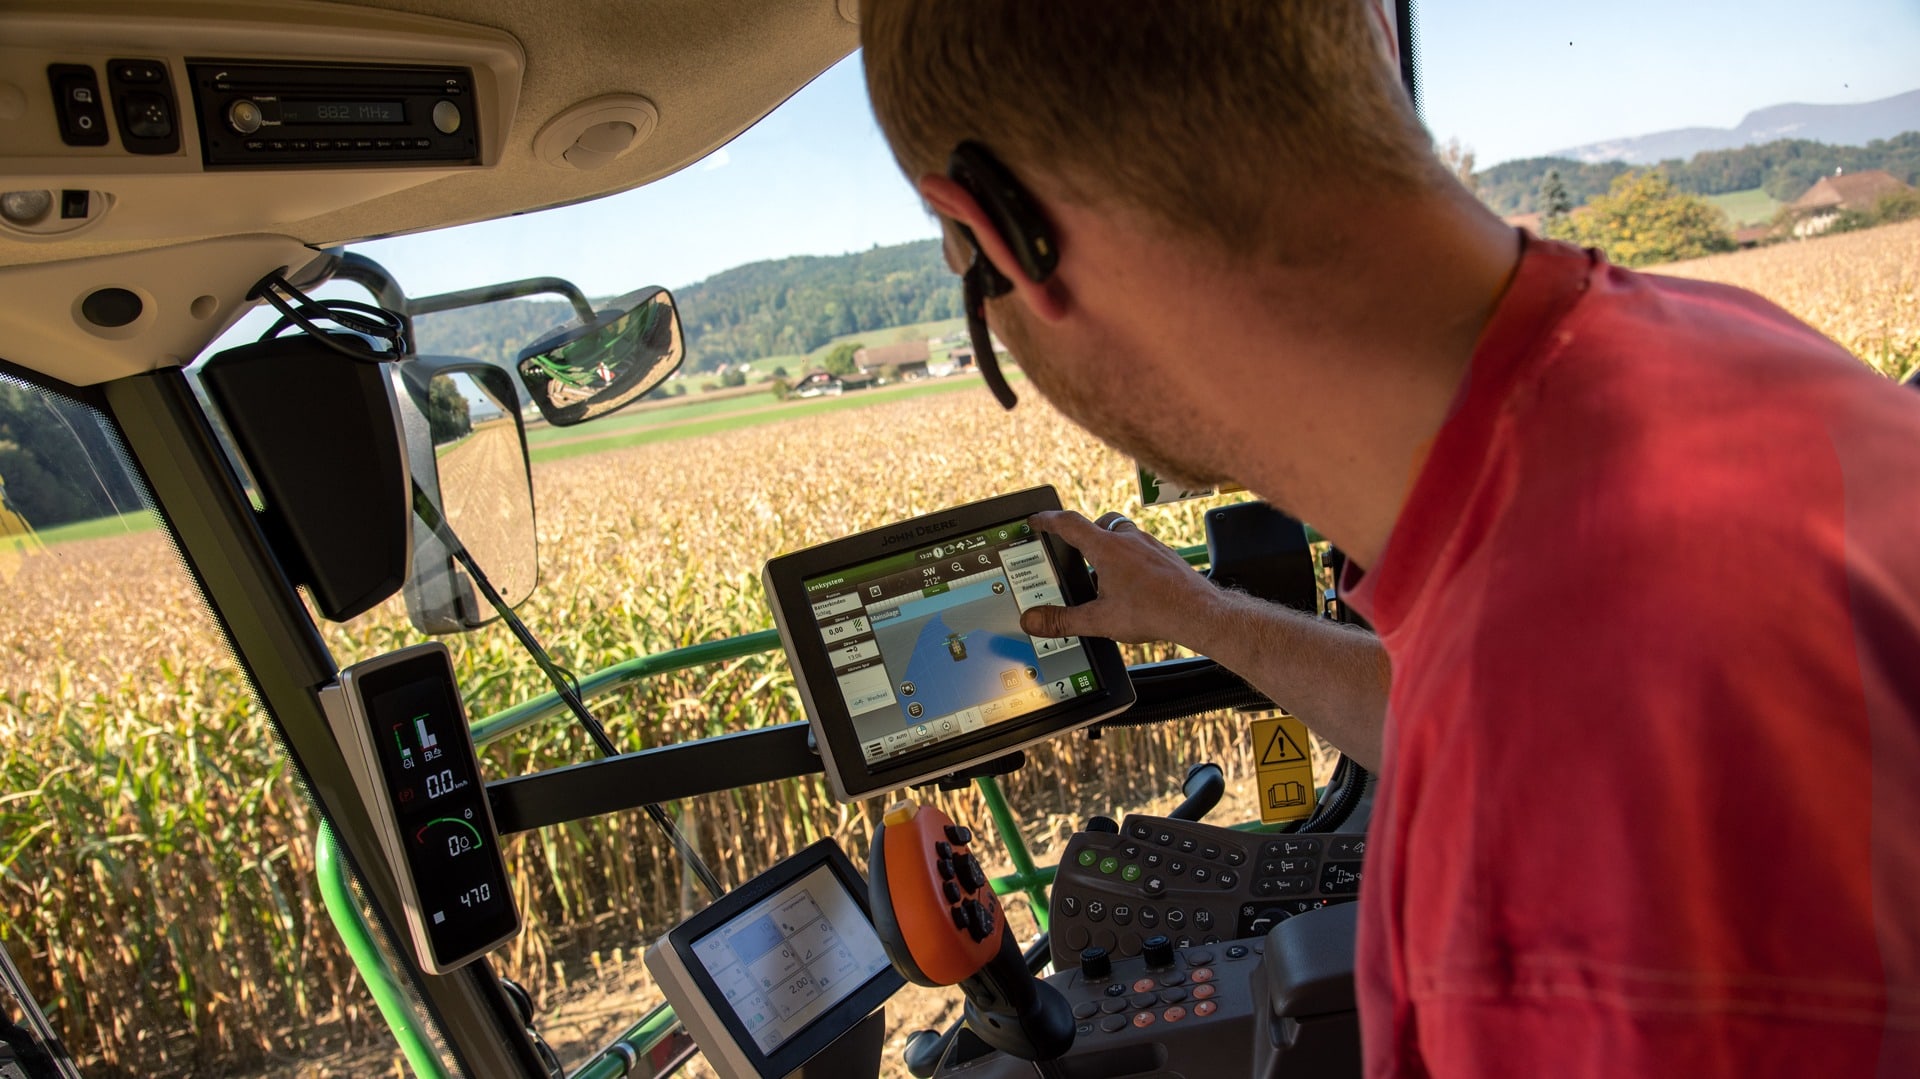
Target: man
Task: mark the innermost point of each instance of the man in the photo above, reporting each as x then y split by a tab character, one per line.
1641	552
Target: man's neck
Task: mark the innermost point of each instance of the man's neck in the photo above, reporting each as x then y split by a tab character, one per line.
1332	380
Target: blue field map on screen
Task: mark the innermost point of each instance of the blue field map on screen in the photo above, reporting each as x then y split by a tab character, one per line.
957	649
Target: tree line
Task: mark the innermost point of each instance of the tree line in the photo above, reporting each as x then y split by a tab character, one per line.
773	308
1784	170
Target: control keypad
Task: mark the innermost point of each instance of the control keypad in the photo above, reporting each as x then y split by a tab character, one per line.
1195	882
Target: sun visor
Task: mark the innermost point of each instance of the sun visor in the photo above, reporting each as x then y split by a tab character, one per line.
320	436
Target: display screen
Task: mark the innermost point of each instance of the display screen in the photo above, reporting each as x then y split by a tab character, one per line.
926	645
788	959
296	111
439	803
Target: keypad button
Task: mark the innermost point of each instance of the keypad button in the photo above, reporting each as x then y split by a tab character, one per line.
1144	985
1163	838
1236	857
1083	1030
1174	1014
942	849
1096	911
958	835
1085	857
1350	846
1140	831
1210	852
1149	918
1130	873
1204	990
950	890
1113	1006
1202	976
1176	868
1117	989
1155	887
1183	941
1142	1020
1122	914
1189	845
1293	886
1203	920
1153	861
1204	1009
1226	878
1069	904
1340	878
1176	978
1142	1000
1201	874
1109	865
1086	1009
1176	918
1130	852
1113	1024
1236	951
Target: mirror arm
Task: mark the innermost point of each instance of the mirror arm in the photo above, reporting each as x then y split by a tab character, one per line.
563	684
505	290
370	275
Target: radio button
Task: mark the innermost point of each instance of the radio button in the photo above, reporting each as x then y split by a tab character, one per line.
245	117
446	117
383	144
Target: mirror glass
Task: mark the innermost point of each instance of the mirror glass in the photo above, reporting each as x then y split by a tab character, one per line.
579	372
469	456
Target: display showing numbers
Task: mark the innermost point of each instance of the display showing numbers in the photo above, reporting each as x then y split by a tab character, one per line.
439	783
473	896
459	843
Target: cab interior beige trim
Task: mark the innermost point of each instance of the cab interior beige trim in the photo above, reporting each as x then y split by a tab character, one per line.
707	69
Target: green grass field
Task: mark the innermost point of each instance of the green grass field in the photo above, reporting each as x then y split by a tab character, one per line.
1750	207
605	438
137	521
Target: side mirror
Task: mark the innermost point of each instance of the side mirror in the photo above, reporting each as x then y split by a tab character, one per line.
467	449
577	373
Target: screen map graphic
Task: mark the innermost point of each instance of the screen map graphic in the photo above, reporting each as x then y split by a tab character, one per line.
927	646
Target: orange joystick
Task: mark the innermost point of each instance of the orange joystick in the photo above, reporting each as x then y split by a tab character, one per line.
942	925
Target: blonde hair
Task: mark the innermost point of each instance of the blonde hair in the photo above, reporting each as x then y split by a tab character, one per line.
1205	114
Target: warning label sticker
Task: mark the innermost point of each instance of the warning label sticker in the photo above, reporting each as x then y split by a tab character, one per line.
1285	768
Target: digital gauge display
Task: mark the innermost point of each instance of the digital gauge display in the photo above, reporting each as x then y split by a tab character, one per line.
302	111
460	902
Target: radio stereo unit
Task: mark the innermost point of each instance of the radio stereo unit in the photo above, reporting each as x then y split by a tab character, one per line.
257	113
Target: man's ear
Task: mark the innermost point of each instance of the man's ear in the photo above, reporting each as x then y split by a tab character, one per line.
949	199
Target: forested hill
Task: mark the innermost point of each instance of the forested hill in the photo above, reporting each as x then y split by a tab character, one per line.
783	306
1784	169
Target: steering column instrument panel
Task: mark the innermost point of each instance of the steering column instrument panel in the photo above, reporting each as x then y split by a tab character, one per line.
776	970
399	720
906	646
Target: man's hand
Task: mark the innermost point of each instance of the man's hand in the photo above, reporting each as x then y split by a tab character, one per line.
1147	591
1335	677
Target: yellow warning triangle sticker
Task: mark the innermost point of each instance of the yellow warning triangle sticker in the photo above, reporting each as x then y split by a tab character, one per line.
1281	748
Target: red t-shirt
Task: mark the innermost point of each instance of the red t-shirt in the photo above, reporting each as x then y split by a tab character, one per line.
1650	800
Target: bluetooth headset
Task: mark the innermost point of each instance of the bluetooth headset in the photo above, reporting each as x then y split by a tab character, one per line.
1019	223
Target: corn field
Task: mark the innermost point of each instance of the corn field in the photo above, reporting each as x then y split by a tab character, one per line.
157	857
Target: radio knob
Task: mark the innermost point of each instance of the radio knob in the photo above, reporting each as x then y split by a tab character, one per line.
244	116
446	117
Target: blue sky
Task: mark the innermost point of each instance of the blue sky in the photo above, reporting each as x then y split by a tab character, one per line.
1509	80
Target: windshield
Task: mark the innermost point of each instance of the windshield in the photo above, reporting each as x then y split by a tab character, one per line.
159	857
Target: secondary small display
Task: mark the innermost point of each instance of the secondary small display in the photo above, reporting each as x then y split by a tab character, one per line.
418	732
304	111
787	960
926	645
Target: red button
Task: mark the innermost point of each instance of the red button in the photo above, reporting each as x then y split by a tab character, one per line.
1143	1019
1204	974
1175	1014
1202	992
1145	985
1205	1008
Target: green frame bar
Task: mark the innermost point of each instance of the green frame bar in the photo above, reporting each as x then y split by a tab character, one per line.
416	1043
388	993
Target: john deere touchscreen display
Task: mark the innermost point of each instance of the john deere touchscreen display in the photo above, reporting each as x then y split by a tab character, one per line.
908	645
927	646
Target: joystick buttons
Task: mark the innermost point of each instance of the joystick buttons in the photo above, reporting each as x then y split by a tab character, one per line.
1158	951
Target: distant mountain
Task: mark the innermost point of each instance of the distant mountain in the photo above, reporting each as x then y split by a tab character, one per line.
1840	125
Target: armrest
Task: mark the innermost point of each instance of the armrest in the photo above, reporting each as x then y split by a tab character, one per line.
1309	961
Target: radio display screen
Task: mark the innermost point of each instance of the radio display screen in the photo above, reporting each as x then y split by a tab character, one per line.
926	645
439	803
305	111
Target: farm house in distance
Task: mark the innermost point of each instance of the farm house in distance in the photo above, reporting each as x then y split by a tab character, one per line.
1817	210
907	358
